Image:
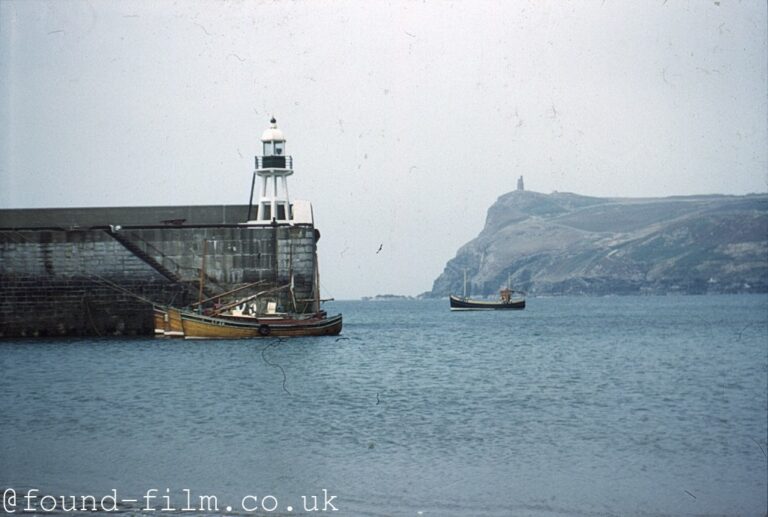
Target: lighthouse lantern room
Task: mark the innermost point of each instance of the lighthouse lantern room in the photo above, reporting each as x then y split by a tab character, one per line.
274	205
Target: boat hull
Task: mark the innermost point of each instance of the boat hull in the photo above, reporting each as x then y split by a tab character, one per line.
191	325
168	322
465	304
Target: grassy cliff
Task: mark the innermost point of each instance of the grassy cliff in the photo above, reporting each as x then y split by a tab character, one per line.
564	243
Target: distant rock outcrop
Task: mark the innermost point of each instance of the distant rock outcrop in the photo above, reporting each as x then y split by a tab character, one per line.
564	243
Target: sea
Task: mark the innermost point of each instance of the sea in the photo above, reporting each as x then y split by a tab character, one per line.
575	406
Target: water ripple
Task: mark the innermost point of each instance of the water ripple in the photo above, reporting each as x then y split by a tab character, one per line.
621	406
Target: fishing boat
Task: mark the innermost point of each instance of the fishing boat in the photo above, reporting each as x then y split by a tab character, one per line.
459	303
255	316
191	325
508	300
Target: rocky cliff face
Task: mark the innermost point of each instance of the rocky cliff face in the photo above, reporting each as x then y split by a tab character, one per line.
569	244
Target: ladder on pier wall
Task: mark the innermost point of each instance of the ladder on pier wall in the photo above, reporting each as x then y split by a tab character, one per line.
174	277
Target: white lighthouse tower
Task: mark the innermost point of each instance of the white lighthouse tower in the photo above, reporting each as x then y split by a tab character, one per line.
274	205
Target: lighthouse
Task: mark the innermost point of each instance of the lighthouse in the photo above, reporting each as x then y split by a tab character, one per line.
273	167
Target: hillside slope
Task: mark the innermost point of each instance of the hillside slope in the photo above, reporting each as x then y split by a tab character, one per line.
564	243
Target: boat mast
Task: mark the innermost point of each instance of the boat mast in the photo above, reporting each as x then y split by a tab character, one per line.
233	291
290	275
465	282
317	283
202	275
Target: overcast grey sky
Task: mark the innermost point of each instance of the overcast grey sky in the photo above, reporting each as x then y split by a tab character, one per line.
406	120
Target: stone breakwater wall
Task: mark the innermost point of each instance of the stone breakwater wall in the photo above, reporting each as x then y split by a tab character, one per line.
97	271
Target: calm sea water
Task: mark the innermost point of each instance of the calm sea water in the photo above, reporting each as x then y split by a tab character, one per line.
575	406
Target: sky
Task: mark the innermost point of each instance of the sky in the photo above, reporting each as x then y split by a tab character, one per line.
406	120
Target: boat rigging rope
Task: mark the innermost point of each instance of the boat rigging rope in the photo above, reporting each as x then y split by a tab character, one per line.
275	365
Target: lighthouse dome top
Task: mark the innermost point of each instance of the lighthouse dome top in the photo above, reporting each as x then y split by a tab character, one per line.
272	134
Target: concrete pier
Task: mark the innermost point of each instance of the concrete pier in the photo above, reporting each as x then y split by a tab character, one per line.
97	271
